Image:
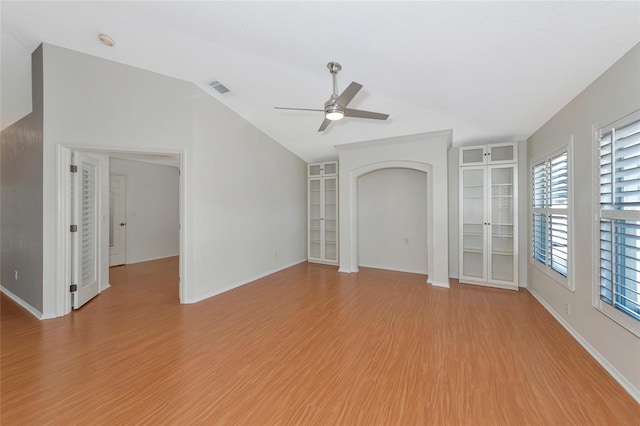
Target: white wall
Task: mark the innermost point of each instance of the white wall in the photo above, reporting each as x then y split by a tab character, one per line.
152	201
249	200
15	79
613	95
426	152
392	220
244	194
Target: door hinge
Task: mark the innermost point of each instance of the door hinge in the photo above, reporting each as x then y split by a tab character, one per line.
74	228
73	287
73	168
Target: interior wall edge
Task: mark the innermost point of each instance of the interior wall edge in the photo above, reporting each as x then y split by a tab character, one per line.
190	300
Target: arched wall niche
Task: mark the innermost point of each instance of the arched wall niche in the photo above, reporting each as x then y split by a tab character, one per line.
426	152
418	227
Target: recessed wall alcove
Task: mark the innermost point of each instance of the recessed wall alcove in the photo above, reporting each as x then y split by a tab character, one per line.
426	152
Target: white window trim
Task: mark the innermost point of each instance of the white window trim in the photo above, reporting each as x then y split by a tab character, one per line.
624	320
568	281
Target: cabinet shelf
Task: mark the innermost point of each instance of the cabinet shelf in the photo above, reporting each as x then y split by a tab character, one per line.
472	250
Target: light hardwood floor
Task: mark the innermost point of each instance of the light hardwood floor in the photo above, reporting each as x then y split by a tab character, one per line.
303	346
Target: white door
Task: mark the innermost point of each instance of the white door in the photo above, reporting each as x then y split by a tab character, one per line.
117	219
85	216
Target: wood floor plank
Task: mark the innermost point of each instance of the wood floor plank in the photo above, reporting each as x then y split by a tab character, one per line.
307	345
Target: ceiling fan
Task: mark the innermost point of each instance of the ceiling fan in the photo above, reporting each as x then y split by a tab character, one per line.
336	107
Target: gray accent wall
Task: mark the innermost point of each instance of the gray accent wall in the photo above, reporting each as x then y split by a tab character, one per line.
21	208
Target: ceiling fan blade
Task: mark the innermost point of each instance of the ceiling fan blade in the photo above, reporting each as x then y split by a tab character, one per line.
348	112
348	94
324	125
300	109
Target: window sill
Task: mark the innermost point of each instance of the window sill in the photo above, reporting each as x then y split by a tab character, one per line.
558	278
630	324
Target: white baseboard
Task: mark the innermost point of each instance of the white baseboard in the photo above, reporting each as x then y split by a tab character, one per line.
389	268
453	276
239	284
444	284
626	384
33	311
152	258
348	271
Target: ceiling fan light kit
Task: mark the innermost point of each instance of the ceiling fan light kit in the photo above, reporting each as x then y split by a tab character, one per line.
333	113
336	107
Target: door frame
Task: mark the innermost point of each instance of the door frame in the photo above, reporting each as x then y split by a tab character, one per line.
124	242
63	217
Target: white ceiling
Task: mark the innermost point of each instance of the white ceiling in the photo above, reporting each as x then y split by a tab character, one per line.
491	71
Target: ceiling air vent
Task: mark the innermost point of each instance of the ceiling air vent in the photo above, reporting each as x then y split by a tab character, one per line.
219	87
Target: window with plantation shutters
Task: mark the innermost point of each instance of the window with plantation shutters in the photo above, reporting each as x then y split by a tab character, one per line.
618	225
550	215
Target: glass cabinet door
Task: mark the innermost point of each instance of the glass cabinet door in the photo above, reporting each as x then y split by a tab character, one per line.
315	170
502	153
472	156
501	243
330	169
473	223
330	218
314	219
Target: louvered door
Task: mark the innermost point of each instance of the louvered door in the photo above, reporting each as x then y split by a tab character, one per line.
84	190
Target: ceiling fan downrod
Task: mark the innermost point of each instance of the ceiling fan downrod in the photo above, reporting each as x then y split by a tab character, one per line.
334	67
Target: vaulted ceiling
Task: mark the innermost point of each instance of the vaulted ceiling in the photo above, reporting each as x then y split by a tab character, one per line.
491	71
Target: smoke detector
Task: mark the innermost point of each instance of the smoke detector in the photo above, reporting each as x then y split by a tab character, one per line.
106	40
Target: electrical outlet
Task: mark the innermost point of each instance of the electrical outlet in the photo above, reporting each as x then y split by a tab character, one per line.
15	275
567	308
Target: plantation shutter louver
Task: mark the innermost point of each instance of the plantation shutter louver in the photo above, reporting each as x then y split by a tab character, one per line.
550	214
620	218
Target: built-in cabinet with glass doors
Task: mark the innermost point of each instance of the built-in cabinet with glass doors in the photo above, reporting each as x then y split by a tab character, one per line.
323	212
488	250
